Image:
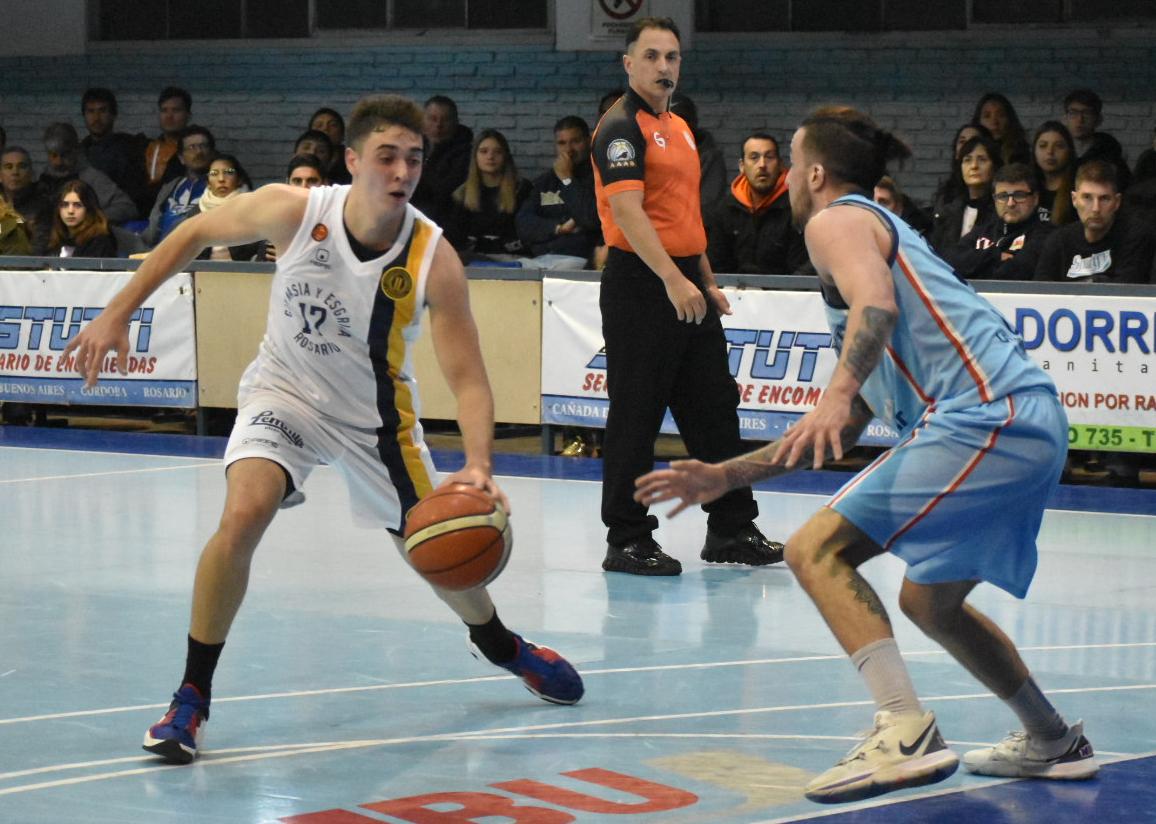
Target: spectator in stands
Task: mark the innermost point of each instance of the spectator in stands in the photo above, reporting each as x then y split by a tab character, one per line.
609	99
978	163
14	237
1007	245
951	186
176	199
1084	112
25	194
890	196
67	162
480	222
306	171
79	227
1145	164
1107	244
750	230
227	178
1054	155
560	217
162	158
995	112
118	154
712	186
447	160
332	123
315	142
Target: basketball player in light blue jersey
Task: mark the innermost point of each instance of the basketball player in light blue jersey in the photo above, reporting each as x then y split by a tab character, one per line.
333	383
959	498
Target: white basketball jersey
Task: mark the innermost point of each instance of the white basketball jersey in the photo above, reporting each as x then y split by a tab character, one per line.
340	331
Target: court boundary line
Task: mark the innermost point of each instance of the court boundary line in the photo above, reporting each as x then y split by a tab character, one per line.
440	682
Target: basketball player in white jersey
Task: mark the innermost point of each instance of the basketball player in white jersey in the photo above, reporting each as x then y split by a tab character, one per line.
333	382
960	498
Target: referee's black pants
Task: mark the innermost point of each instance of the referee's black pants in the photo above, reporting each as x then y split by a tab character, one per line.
655	361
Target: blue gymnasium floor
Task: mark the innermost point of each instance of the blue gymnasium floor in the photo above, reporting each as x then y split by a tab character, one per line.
345	695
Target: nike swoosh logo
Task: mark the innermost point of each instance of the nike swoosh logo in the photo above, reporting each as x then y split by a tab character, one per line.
911	750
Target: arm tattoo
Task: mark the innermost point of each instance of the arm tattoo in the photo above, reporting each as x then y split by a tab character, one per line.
865	595
863	353
754	466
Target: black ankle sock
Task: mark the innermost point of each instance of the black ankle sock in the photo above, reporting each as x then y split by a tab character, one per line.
200	665
494	640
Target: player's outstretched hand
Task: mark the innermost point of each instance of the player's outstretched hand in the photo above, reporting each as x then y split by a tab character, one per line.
473	476
816	433
689	482
102	335
687	300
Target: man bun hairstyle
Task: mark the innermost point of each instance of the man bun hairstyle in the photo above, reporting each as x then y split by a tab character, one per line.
849	145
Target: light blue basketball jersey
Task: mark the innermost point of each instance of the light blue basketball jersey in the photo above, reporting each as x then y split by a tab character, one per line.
950	348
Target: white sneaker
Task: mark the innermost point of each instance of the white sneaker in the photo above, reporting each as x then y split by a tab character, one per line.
904	750
1017	756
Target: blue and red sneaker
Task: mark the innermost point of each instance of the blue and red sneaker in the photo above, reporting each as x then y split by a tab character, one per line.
177	736
543	672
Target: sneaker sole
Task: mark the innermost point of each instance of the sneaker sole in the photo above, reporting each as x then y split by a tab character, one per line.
169	749
713	558
551	699
930	769
617	566
1075	771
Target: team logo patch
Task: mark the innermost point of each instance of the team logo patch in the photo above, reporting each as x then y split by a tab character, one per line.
619	151
396	283
320	232
321	258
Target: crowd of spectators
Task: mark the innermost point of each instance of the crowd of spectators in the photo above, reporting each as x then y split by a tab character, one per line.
1060	205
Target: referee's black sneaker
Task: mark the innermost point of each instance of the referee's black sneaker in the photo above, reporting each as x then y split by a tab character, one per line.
642	556
747	546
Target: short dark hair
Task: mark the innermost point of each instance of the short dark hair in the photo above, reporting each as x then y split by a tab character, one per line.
310	160
1018	173
169	92
1085	97
314	134
442	100
15	149
757	135
189	131
850	147
99	94
336	115
1098	171
383	109
61	138
572	121
644	23
609	99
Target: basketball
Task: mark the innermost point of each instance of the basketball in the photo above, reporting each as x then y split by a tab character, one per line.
458	537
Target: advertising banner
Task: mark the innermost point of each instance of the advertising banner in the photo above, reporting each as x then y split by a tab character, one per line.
40	312
1098	351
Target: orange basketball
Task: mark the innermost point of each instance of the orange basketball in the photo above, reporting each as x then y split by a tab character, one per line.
458	537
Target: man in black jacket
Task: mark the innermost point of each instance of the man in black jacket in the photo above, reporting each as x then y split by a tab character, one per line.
1008	245
1107	245
750	231
447	159
560	217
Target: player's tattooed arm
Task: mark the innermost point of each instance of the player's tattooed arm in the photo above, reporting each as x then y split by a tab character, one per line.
757	465
862	353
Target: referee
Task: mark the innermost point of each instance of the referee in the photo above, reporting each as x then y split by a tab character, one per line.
660	316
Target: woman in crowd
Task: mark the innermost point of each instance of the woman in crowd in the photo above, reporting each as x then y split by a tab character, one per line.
951	185
1054	158
979	160
227	179
481	219
996	113
79	227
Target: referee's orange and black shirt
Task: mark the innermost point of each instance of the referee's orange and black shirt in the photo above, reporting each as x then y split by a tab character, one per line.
637	148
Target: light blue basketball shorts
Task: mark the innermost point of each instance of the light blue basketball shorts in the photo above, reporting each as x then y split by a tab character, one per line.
962	496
